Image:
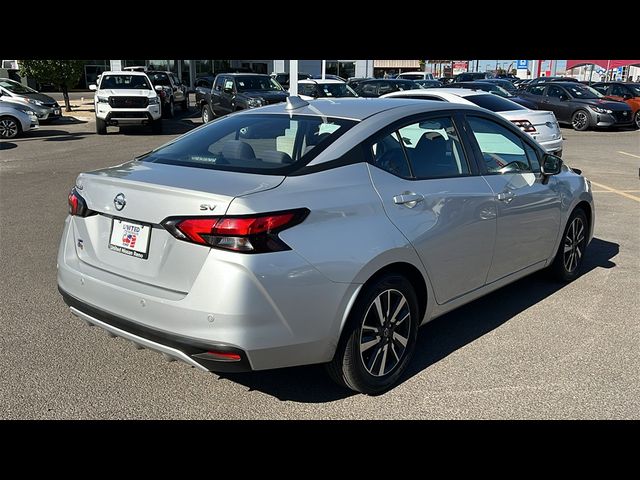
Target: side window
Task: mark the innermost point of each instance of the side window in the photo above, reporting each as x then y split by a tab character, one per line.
617	90
502	150
307	89
554	91
601	88
386	87
370	89
434	149
532	155
218	84
389	155
228	83
536	90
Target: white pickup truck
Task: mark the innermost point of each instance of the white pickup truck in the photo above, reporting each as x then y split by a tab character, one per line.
126	98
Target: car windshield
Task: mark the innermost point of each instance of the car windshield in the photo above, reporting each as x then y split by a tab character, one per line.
15	87
160	78
257	83
494	103
413	76
583	91
273	144
336	90
121	82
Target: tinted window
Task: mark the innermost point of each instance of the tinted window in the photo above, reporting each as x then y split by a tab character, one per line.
256	83
494	103
618	90
336	90
15	87
502	150
554	91
434	149
601	88
117	82
160	78
582	91
532	155
308	89
368	89
389	156
219	83
252	143
536	90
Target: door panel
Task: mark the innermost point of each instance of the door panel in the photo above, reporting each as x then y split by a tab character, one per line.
528	206
561	108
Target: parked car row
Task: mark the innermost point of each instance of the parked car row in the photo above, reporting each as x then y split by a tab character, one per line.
46	108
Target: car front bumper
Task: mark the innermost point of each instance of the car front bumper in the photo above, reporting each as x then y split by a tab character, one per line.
610	120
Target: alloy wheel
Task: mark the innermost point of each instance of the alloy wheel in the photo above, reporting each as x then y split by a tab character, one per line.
385	332
205	114
8	128
638	119
579	120
574	245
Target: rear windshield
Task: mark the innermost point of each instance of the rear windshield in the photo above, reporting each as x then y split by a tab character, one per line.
255	143
116	82
494	103
160	78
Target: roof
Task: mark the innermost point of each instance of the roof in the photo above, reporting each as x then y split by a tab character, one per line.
123	72
351	108
319	81
240	74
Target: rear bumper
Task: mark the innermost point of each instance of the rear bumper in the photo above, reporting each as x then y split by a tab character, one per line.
175	346
552	146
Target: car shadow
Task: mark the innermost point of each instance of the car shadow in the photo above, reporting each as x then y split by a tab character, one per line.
7	145
436	340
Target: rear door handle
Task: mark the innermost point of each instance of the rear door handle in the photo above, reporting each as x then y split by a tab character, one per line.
505	196
409	199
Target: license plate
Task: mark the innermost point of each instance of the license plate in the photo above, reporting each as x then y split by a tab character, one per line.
130	238
56	111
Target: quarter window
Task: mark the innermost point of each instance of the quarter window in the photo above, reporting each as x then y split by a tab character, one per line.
554	91
502	150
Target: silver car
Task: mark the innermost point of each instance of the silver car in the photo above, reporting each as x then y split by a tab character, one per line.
15	120
320	232
541	125
46	108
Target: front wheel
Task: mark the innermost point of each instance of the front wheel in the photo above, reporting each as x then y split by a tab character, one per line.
9	127
207	114
156	126
101	126
566	265
379	338
580	120
636	119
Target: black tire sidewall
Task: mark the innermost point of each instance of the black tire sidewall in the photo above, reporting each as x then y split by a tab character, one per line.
355	373
636	120
558	267
586	127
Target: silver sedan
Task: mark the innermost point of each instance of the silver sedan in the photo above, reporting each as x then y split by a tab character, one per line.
16	119
321	232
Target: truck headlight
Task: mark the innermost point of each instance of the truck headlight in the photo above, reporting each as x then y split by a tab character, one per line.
153	101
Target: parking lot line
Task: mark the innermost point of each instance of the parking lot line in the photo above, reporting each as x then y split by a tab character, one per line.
619	192
609	191
630	154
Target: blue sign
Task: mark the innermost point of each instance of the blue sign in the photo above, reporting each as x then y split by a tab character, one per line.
522	64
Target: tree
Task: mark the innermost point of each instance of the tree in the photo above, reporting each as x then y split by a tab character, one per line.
62	73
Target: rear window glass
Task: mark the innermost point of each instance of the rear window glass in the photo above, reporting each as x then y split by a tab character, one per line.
255	143
494	103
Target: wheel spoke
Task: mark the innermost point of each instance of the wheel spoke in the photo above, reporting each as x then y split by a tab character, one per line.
378	305
567	248
367	345
401	304
373	359
388	304
400	338
371	329
578	234
383	363
393	350
402	319
578	252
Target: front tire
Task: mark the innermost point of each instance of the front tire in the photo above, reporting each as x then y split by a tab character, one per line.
169	110
379	338
9	127
566	265
101	126
207	114
156	126
636	120
580	120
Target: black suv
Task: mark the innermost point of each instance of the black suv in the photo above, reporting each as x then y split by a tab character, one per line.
170	90
238	91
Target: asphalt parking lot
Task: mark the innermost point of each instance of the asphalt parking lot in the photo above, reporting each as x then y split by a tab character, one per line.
533	349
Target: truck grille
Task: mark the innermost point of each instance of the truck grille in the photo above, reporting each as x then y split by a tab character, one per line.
128	102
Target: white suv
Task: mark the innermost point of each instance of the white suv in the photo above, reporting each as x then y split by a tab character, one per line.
126	98
416	76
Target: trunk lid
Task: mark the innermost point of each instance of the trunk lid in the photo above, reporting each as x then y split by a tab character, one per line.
153	192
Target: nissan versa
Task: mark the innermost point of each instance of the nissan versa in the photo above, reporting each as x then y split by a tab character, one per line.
322	232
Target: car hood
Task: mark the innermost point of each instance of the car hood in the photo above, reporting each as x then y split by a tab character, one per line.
609	104
39	96
266	94
127	92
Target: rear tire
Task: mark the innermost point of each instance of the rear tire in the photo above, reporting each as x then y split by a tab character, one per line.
169	109
376	345
580	120
101	126
9	127
570	255
636	120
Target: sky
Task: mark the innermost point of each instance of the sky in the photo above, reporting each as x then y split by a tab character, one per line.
562	64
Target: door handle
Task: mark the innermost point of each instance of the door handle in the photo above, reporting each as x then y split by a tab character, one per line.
409	199
506	196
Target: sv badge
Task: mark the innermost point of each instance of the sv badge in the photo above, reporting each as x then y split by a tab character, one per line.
207	207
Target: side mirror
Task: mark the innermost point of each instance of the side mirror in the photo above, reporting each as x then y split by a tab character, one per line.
93	87
228	90
551	165
158	88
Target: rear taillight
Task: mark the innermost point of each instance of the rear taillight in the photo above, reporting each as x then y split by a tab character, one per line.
243	233
77	205
524	125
